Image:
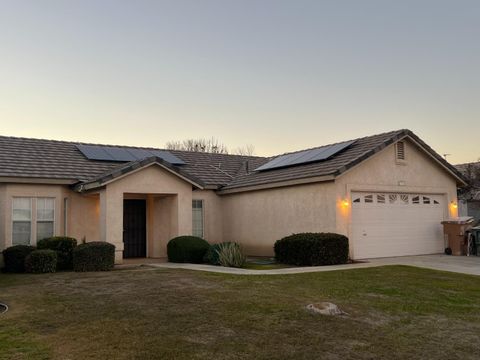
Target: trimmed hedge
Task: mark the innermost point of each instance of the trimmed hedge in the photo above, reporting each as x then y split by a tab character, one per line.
41	261
63	246
14	258
94	256
312	249
187	249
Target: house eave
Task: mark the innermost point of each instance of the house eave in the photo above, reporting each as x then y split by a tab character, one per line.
35	180
278	184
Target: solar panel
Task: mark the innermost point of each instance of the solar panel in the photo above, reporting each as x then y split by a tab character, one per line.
125	154
306	156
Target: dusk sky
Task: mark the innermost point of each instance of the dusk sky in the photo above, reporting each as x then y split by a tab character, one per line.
281	75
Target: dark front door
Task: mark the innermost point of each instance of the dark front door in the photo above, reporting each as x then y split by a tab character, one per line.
134	228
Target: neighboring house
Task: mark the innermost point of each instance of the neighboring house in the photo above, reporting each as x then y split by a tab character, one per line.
388	193
469	197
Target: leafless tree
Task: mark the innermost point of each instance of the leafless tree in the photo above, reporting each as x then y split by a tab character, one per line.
247	150
211	145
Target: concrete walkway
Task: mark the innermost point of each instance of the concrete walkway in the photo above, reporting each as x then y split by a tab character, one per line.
459	264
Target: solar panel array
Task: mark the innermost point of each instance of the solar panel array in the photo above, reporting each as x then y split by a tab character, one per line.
124	154
306	156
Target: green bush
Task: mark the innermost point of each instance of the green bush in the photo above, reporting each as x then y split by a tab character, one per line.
41	261
312	249
64	248
14	258
231	255
94	256
187	249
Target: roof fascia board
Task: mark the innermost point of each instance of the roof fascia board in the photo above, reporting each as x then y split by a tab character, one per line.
278	184
384	146
438	162
32	180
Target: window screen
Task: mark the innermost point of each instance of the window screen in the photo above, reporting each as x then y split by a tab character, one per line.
21	221
45	217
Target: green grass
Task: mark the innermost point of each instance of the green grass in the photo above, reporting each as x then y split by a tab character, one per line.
255	266
395	312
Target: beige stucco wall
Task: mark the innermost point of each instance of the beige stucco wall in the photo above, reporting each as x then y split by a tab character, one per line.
418	174
152	180
257	219
83	217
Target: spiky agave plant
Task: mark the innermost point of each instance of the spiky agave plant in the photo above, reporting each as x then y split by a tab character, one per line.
231	255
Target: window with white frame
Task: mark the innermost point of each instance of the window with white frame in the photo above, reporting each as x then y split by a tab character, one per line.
197	218
45	217
21	221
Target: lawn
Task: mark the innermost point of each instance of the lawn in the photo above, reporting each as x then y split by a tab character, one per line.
395	312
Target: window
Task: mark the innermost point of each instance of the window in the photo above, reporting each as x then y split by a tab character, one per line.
381	199
45	217
400	150
368	198
197	218
21	221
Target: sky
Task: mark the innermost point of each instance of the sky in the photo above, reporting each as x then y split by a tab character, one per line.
280	75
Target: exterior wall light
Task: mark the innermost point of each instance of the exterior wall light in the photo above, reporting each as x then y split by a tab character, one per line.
454	204
345	202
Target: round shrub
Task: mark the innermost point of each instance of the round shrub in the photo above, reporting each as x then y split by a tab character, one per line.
63	246
187	249
41	261
14	258
312	249
94	256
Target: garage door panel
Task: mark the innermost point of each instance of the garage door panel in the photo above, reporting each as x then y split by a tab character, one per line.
396	224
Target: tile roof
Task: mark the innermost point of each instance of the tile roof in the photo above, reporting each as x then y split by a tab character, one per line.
360	150
51	159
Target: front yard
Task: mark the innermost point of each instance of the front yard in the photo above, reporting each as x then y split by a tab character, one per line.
395	312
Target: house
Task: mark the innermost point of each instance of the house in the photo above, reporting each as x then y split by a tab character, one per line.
388	193
469	196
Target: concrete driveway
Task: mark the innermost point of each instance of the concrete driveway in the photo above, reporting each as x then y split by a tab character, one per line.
461	264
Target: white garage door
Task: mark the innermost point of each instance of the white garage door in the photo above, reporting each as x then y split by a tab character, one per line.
393	224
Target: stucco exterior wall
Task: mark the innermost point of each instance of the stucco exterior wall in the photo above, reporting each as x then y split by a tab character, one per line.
83	217
152	180
257	219
382	173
